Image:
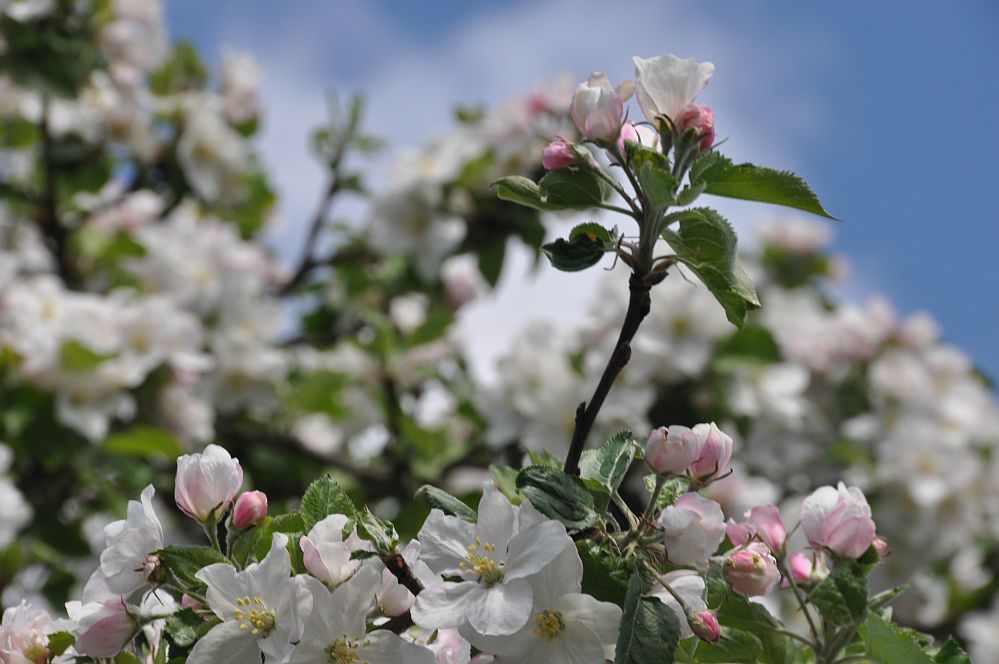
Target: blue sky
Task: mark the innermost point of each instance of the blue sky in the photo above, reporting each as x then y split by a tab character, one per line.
889	109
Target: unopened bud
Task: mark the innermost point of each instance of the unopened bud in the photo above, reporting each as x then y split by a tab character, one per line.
560	153
881	546
597	109
671	450
705	625
699	118
251	509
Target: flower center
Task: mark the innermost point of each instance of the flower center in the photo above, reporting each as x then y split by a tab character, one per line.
37	653
344	651
255	616
482	564
550	624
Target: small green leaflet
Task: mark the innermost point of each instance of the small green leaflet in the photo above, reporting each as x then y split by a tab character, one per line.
564	189
323	498
447	503
649	629
558	496
585	247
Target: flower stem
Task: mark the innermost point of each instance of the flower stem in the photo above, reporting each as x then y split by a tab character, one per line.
801	603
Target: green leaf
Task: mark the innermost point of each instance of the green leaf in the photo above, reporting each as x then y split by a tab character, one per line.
585	247
671	491
289	524
447	503
379	531
323	498
558	496
185	627
705	242
144	441
753	345
518	189
59	642
572	189
950	653
649	629
506	482
318	392
888	644
754	183
609	463
735	646
185	561
841	597
738	613
76	357
605	574
126	658
564	189
654	174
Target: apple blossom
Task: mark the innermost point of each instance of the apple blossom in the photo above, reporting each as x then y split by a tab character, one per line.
805	568
23	635
566	625
250	509
262	609
714	451
597	109
102	629
671	450
693	527
127	563
838	519
559	153
336	630
326	554
751	569
665	85
207	483
762	521
494	557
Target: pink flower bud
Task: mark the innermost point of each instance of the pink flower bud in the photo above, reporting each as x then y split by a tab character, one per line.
207	483
394	599
560	153
250	510
801	567
715	451
628	134
705	625
751	570
701	119
597	110
838	519
102	629
763	522
671	450
881	546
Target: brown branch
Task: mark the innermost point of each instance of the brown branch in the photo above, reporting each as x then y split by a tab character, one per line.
639	304
48	214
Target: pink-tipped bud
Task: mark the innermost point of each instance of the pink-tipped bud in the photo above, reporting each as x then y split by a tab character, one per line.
751	570
251	509
560	153
762	522
801	567
597	110
705	625
715	451
671	450
701	119
628	134
881	546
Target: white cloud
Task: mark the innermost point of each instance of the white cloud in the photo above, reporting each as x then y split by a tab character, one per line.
762	100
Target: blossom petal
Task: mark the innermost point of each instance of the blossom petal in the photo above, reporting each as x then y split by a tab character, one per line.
664	85
532	549
224	588
443	542
443	605
382	647
225	644
496	518
502	609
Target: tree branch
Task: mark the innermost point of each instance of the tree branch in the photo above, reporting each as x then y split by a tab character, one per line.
639	304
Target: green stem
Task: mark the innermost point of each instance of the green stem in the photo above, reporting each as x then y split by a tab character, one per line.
651	508
212	531
804	608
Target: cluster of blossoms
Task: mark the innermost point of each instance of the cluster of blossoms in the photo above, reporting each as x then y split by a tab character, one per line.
835	389
507	583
